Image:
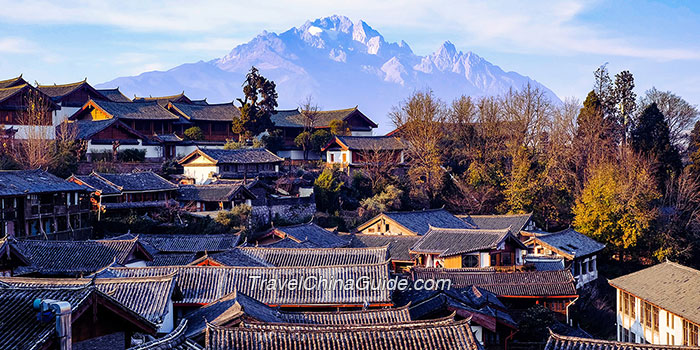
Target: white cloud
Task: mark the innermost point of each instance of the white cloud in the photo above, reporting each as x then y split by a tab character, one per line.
541	27
15	45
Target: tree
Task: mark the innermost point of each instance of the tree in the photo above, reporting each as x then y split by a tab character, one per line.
651	138
421	120
680	115
258	103
388	199
37	147
327	191
303	140
693	151
594	140
236	219
339	127
522	185
273	140
617	204
627	102
319	139
194	133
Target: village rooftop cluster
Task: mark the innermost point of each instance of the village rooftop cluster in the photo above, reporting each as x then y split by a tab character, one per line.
73	276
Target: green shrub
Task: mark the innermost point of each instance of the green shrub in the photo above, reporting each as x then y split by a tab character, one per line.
194	133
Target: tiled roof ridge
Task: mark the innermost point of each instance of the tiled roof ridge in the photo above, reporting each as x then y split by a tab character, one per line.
336	110
471	230
142	268
330	249
413	211
178	332
348	312
77	83
12	79
441	321
89	280
207	105
154	98
15	87
495	215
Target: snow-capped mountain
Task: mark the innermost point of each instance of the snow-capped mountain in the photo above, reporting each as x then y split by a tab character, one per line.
337	62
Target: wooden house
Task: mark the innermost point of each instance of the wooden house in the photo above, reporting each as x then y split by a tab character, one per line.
203	165
15	99
578	250
412	223
118	192
71	97
563	342
468	248
659	305
292	122
213	119
213	197
355	151
37	204
65	318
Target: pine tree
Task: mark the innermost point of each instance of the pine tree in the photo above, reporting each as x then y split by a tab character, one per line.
260	100
651	138
626	100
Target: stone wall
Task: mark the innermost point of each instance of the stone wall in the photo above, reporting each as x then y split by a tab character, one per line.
293	209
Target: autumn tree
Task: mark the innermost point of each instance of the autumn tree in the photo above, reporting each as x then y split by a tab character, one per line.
339	127
594	139
421	119
617	204
258	103
327	191
37	146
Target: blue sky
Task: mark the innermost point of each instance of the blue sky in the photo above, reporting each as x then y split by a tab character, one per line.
558	43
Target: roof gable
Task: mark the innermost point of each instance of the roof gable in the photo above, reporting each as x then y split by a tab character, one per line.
13	82
419	221
450	242
60	92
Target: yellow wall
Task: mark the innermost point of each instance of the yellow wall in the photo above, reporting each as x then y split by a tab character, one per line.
98	115
378	227
453	262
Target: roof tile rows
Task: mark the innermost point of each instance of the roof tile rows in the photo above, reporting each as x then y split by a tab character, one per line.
73	257
322	119
148	297
241	156
204	284
438	336
569	243
560	342
175	340
516	222
420	220
370	143
318	256
527	284
668	285
312	233
23	182
399	246
210	112
450	242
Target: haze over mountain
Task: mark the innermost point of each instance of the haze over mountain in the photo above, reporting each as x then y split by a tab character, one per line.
340	64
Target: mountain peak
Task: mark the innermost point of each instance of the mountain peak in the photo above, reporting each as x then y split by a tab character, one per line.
339	63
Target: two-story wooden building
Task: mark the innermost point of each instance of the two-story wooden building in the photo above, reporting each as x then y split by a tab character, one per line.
293	122
36	204
203	165
16	97
659	305
355	151
468	248
578	250
71	97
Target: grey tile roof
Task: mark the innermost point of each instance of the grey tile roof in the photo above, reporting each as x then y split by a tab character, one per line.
290	243
164	100
234	257
23	331
318	256
210	112
223	311
543	263
204	284
668	285
172	259
85	129
8	92
57	92
12	82
23	182
456	241
212	193
175	340
139	205
371	143
294	119
135	110
148	297
241	156
74	258
438	335
315	327
418	221
399	245
516	222
314	234
359	317
561	342
518	284
570	243
114	95
188	243
96	183
137	181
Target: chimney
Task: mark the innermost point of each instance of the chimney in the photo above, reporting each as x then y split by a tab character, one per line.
62	310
